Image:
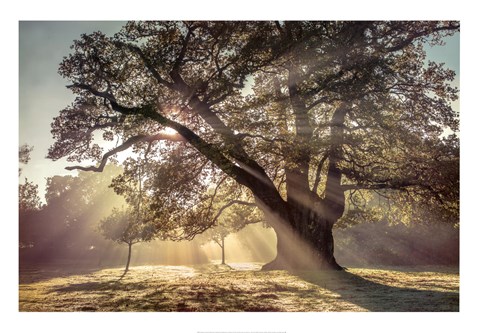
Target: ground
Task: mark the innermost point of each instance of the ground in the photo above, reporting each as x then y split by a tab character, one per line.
238	287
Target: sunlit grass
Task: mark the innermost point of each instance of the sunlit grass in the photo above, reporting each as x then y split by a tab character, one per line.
239	287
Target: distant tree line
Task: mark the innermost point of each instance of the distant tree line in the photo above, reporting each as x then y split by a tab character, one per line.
68	227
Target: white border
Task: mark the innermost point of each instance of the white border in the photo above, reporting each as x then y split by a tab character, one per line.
249	9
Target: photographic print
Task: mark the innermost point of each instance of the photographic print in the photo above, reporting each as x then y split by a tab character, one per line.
239	166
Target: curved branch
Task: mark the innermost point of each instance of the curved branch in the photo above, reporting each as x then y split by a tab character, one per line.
218	243
92	90
215	192
174	74
318	173
231	203
397	186
248	174
404	43
315	103
379	186
127	144
100	126
248	135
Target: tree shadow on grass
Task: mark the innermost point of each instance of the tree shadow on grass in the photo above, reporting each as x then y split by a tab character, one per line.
377	297
218	299
28	275
108	286
174	297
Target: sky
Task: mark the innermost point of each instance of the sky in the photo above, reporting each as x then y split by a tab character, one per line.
42	91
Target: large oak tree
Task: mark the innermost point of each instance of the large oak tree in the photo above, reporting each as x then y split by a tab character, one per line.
293	115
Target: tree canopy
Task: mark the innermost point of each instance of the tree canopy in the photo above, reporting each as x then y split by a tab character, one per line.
292	115
131	224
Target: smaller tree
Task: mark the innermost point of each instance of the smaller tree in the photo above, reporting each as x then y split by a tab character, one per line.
127	226
238	216
136	223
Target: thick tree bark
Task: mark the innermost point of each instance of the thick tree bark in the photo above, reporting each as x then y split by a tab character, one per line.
304	234
304	243
304	224
303	228
310	258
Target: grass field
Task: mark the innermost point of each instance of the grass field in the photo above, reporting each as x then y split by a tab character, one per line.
238	287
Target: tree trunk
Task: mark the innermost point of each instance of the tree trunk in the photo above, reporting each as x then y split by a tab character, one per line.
304	232
128	258
306	248
223	250
304	235
303	222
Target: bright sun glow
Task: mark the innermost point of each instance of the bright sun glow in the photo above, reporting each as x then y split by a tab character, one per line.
121	156
169	131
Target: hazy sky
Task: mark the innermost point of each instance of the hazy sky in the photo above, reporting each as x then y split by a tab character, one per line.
42	46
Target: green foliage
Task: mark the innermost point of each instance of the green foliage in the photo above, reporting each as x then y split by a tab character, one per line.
232	219
126	226
73	198
28	197
137	222
65	226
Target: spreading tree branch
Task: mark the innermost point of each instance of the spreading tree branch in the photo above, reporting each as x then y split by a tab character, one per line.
231	203
175	72
127	144
404	43
379	186
210	151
